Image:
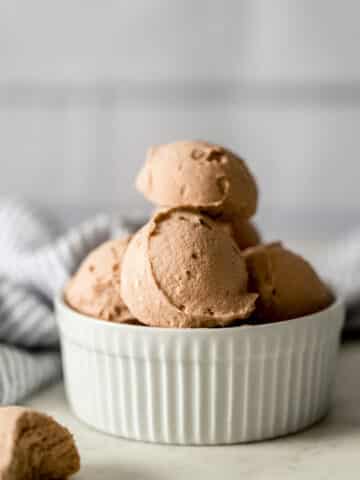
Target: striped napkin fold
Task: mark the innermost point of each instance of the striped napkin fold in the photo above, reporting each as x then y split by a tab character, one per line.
34	265
339	263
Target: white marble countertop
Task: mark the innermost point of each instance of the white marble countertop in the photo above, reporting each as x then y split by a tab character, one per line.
329	450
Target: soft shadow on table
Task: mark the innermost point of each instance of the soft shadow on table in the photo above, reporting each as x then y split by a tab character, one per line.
115	472
327	429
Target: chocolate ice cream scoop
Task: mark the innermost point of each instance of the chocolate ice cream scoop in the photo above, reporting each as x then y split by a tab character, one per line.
95	288
183	269
34	446
198	174
287	285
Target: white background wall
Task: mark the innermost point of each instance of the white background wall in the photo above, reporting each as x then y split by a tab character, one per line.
86	86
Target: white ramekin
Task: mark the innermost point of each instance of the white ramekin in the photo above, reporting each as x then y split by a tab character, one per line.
200	386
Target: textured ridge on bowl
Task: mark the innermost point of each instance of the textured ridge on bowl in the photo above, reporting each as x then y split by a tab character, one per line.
200	386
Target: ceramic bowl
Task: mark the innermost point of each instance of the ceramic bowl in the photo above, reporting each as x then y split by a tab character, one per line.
200	386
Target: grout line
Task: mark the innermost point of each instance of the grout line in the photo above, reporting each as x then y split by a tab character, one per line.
106	95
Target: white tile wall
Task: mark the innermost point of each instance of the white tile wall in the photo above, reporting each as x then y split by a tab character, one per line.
78	40
85	87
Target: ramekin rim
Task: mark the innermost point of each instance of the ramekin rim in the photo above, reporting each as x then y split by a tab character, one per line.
338	303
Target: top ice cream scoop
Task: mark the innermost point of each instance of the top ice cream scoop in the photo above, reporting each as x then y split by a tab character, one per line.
185	270
198	174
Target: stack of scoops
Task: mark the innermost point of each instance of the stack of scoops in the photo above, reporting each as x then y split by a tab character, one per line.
199	262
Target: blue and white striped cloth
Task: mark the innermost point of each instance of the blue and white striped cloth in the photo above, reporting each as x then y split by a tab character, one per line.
34	266
339	263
